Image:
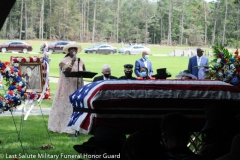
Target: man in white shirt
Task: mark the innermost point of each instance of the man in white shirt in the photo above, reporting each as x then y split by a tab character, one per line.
197	64
143	62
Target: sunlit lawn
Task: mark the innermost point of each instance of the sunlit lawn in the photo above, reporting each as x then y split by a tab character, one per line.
33	135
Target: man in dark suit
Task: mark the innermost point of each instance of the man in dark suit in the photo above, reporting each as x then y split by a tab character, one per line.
143	62
128	72
200	61
32	80
106	71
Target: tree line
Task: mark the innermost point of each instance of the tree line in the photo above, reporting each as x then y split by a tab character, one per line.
166	22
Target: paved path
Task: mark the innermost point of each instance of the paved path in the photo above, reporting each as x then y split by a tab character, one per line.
35	111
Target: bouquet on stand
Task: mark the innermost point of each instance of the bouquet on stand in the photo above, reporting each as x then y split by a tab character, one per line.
225	66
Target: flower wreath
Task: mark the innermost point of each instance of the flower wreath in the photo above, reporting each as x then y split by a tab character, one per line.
225	66
17	86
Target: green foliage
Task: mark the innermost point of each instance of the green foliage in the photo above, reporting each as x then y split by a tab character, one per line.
225	66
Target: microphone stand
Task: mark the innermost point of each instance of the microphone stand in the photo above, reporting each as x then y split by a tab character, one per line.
77	132
78	71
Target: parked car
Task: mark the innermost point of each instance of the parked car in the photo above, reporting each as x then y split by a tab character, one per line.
133	49
56	46
17	46
101	48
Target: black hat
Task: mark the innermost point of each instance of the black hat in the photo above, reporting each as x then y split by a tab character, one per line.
128	66
162	74
104	138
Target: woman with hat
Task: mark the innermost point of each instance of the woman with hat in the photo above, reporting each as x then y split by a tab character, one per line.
186	75
61	110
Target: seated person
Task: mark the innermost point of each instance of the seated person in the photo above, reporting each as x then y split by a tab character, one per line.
186	75
144	74
128	72
106	71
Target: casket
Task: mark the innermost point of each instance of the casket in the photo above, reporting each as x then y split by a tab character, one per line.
131	104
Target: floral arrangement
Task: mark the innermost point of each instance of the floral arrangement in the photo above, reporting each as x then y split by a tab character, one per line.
225	66
17	86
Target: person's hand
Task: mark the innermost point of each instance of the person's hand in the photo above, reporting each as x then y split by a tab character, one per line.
73	60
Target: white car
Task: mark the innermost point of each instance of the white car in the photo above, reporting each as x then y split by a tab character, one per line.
133	49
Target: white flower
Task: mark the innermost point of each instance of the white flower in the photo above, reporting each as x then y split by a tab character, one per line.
218	60
16	64
220	74
34	59
232	67
19	59
27	59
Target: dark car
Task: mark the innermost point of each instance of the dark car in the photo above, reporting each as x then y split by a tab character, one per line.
56	46
101	48
17	46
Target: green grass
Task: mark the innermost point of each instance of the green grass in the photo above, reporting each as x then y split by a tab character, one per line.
33	135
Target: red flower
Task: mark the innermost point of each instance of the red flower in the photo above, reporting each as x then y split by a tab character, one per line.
211	74
47	96
12	70
19	88
31	59
238	69
7	63
219	56
10	92
15	60
236	52
14	83
238	57
9	101
38	59
19	74
15	158
24	60
32	96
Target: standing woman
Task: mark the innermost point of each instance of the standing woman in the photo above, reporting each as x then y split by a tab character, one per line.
62	110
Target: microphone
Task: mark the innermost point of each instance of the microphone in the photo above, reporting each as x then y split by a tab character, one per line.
74	54
78	60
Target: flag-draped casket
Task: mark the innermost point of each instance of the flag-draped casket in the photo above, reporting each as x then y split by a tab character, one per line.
130	104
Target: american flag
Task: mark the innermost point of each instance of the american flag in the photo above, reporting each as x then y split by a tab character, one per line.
134	96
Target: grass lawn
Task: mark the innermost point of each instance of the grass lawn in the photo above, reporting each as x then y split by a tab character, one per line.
33	136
